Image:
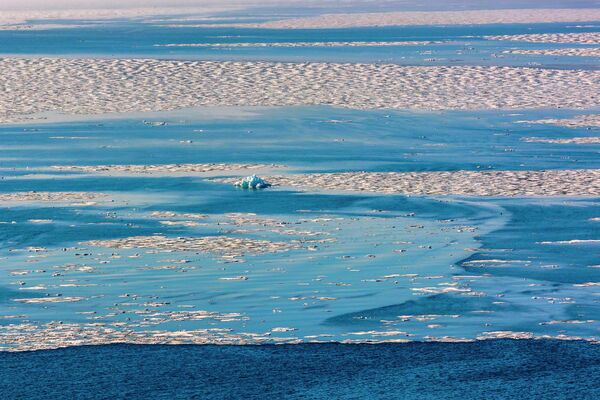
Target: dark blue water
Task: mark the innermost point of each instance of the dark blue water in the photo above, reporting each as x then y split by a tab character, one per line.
490	370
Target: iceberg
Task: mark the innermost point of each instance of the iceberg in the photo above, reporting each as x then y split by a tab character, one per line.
252	182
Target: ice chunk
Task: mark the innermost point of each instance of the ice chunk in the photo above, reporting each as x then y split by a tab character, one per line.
252	182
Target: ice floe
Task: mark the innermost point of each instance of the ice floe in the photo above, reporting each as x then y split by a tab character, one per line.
98	86
51	197
463	17
163	168
574	38
589	120
583	182
225	245
575	140
571	52
304	44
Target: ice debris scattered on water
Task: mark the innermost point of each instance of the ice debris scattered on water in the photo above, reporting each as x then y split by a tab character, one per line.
252	182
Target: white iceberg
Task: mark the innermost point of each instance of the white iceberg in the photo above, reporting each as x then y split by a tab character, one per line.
252	182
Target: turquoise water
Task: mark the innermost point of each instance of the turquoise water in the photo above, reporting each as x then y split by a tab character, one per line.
307	139
340	291
463	45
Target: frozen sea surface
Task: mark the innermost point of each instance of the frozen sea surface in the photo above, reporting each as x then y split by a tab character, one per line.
368	268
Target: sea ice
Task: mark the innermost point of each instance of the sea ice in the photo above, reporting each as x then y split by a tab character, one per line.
252	182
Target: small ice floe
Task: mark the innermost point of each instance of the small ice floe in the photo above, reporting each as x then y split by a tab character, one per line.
234	278
574	241
283	329
336	121
252	182
155	123
506	335
587	284
38	287
53	299
569	321
379	333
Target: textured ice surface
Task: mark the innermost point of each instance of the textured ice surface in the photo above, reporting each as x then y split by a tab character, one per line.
181	260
